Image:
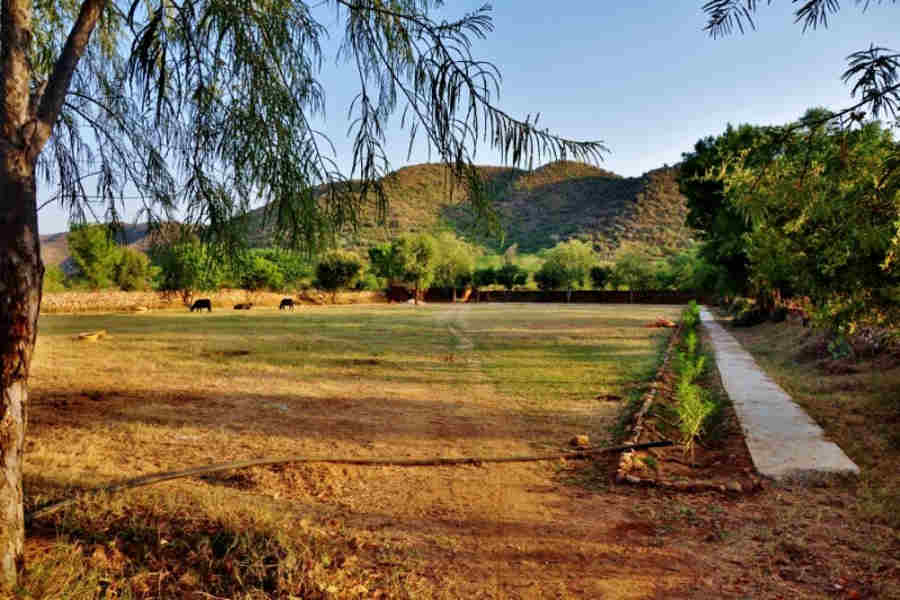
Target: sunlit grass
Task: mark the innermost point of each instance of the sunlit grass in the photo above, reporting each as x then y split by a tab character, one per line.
168	390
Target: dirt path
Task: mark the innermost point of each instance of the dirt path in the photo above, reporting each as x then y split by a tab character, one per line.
507	531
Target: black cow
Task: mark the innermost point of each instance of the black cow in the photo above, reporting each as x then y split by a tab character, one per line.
201	304
243	306
286	303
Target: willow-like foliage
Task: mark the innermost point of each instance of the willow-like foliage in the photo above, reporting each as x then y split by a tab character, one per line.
873	73
207	106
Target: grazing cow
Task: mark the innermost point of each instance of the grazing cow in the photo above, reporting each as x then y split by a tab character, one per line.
201	304
243	306
286	303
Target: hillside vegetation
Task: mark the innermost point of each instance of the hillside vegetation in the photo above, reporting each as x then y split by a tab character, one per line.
536	209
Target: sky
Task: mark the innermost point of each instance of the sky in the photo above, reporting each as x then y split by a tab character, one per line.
640	75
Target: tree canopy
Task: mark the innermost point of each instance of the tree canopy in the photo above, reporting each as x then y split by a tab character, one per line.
824	220
566	266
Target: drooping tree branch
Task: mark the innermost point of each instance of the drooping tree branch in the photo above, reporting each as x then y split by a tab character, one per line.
875	71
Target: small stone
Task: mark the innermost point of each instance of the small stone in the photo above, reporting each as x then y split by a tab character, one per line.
580	441
734	486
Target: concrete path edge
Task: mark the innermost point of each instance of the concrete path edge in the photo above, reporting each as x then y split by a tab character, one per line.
784	442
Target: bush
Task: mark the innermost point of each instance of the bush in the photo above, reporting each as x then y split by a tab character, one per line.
483	278
510	275
54	279
337	270
95	251
550	277
132	271
600	276
367	282
259	273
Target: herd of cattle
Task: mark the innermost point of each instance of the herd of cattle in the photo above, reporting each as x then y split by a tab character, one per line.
207	304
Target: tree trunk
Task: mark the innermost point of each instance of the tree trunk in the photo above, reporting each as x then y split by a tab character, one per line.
21	276
454	293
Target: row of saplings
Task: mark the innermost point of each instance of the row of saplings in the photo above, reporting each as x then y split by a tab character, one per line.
201	303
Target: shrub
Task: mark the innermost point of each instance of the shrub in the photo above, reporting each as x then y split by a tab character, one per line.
54	279
337	270
600	276
483	278
549	277
260	273
132	271
510	275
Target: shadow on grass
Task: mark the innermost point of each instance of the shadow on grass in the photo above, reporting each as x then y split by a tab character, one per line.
172	551
359	419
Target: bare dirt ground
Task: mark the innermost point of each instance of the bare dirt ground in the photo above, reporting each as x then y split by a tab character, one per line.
168	391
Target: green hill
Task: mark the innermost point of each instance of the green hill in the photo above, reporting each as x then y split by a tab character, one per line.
537	209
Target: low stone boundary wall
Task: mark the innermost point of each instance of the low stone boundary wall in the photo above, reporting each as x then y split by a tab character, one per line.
118	301
580	296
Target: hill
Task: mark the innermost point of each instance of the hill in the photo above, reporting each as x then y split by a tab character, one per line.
537	209
565	200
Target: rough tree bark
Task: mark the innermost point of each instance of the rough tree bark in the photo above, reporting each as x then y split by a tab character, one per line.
21	275
28	111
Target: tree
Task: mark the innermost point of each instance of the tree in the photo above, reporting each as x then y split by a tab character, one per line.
185	266
600	276
551	276
721	227
132	270
418	256
686	270
455	262
510	275
207	106
483	278
259	273
567	265
825	221
96	253
54	279
337	270
385	263
293	266
634	269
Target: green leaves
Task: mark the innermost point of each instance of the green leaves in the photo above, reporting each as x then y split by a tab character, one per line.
824	213
567	265
337	270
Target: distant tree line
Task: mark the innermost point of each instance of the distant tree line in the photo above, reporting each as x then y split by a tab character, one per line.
183	264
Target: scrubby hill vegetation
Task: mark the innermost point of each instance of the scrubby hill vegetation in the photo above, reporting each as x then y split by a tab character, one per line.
536	210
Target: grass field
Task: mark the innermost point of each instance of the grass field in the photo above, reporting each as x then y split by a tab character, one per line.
167	390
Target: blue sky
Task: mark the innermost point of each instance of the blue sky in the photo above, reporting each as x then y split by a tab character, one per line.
640	75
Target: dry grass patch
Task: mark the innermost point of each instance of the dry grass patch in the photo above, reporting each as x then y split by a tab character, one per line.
168	390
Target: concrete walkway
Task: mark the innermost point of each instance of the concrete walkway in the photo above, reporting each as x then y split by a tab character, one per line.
785	444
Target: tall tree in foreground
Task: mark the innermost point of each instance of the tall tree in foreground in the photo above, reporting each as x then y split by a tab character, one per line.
206	105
